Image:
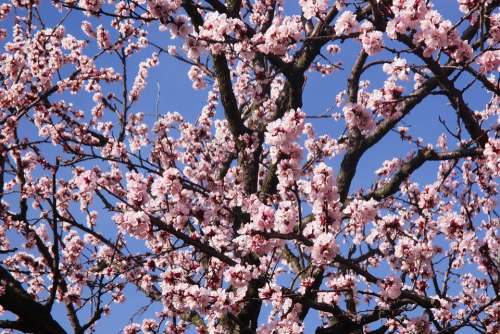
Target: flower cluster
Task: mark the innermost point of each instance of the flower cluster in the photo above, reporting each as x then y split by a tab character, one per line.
247	218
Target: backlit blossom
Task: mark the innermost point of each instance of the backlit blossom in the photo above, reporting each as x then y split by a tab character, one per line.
324	249
312	8
267	192
489	61
392	287
91	6
372	42
346	23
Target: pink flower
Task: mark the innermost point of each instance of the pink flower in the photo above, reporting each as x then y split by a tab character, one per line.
162	8
136	223
419	325
132	329
74	246
467	5
282	133
168	184
280	36
264	219
88	30
385	101
346	24
494	29
397	69
324	249
140	79
196	75
360	214
372	42
91	6
358	117
333	48
103	39
492	155
389	167
238	276
73	295
392	286
87	183
137	192
180	27
149	326
313	8
4	10
489	61
286	217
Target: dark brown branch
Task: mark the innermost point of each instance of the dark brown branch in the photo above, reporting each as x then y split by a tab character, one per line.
356	148
233	7
33	316
494	88
218	6
231	110
413	164
456	99
353	81
197	244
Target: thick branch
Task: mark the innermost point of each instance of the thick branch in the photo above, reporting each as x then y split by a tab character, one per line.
33	316
413	164
197	244
454	95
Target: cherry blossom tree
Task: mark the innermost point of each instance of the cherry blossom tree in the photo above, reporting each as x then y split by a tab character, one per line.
248	220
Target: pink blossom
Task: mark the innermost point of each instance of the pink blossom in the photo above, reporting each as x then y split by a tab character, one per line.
196	75
74	247
103	39
238	276
489	61
180	27
324	249
140	79
149	326
346	23
282	133
137	188
4	10
168	184
162	8
360	213
73	294
88	30
494	29
397	69
313	8
416	325
333	48
264	219
91	7
492	155
372	42
392	287
135	223
386	101
240	202
388	167
132	329
358	117
280	36
286	217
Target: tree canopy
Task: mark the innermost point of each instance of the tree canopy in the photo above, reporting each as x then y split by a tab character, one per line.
249	219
